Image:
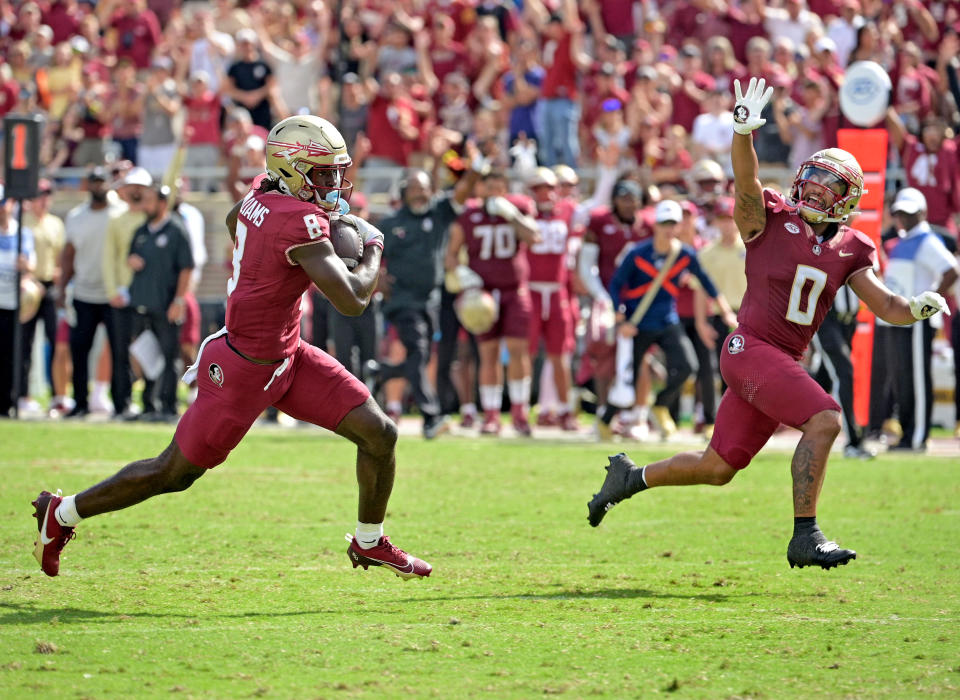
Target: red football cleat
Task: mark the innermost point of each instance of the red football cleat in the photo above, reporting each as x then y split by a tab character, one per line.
491	423
569	423
53	536
520	423
386	554
467	420
547	420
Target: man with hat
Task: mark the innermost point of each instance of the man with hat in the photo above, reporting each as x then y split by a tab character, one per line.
644	292
123	221
10	262
918	262
85	234
48	241
162	264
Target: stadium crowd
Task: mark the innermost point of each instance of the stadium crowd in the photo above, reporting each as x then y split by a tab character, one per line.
638	93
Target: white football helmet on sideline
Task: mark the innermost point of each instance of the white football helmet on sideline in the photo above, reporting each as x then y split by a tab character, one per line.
828	186
308	158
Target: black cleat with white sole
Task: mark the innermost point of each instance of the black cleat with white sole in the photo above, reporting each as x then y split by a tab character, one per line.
806	551
614	488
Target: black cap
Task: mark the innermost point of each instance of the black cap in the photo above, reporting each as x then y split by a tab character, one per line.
627	188
98	173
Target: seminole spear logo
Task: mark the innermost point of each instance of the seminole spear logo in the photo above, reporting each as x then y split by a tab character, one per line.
290	149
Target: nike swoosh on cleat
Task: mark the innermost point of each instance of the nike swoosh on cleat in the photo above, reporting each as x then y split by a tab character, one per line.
844	254
43	532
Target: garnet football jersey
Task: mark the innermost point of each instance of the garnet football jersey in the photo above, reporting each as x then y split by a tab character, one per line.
613	236
494	250
263	294
792	278
549	259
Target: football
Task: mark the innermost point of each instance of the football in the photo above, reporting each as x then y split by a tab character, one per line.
347	241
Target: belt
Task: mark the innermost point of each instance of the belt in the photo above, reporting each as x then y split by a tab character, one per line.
251	359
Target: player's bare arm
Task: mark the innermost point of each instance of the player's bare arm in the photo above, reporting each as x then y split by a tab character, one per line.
231	220
454	244
892	307
748	212
348	291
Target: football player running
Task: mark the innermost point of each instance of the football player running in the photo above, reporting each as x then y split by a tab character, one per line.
281	232
799	252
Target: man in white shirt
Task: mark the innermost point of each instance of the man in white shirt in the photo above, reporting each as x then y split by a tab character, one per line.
918	262
9	263
82	263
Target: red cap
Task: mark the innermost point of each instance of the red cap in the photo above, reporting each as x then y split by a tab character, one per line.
689	207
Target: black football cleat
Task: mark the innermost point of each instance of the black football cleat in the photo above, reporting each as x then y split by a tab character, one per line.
614	488
806	551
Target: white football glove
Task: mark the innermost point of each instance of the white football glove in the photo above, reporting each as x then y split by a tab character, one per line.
746	111
927	304
371	234
460	278
501	206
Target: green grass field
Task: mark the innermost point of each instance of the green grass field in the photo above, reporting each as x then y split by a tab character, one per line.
241	586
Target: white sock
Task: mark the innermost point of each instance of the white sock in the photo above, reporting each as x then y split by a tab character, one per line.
643	414
548	389
573	401
66	513
468	409
519	390
491	397
368	534
395	407
100	391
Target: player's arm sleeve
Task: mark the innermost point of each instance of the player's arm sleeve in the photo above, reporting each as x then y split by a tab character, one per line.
589	271
302	228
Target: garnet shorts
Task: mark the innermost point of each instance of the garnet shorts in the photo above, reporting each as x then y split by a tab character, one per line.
190	328
767	387
233	392
514	318
550	320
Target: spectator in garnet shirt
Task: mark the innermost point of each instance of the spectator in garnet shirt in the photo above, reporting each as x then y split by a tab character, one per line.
914	85
690	97
393	124
932	166
446	55
669	160
202	128
606	85
88	121
563	59
63	17
134	32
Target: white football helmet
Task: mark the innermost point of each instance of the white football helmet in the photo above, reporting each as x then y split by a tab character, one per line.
543	185
828	186
477	310
308	158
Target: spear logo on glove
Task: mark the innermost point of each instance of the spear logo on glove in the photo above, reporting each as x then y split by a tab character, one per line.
749	105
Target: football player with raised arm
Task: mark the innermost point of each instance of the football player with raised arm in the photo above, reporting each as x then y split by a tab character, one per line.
281	232
799	252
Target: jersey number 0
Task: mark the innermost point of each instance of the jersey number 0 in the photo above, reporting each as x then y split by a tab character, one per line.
818	278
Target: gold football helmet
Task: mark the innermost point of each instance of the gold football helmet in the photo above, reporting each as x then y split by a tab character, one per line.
308	157
828	186
477	310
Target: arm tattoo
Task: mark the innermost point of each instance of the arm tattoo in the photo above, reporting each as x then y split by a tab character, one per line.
802	469
750	213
